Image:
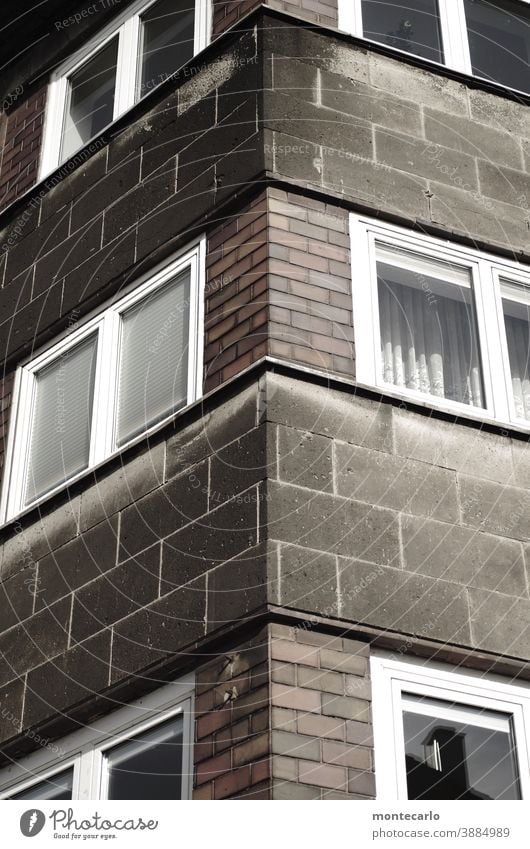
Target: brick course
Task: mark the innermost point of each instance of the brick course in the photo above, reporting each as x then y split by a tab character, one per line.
315	742
21	144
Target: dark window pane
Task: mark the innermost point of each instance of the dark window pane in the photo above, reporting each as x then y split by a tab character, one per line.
91	99
167	41
149	765
499	41
57	787
413	25
464	753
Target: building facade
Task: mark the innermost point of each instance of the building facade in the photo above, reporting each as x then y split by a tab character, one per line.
265	336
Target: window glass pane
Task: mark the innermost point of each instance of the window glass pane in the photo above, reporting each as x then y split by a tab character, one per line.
499	41
167	41
456	752
62	418
517	326
412	25
149	765
90	105
427	319
56	787
154	358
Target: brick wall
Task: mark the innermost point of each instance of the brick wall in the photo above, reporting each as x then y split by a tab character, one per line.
225	14
278	283
309	283
232	744
236	311
321	715
6	390
20	152
285	715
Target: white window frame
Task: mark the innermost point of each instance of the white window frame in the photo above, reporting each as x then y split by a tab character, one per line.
85	750
127	27
106	322
391	678
486	270
453	27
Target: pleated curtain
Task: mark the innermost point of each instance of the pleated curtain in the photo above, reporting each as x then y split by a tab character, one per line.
62	419
154	358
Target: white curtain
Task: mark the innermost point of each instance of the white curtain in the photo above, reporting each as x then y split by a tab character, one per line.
429	342
518	339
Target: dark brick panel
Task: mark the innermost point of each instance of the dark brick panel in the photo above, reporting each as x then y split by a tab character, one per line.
19	156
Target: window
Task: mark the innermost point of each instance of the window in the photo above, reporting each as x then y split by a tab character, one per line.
443	325
141	751
441	733
126	370
486	38
134	54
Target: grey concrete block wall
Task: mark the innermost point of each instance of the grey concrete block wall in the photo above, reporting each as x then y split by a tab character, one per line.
422	527
406	141
149	556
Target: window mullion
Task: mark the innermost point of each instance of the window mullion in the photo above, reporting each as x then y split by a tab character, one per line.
127	65
350	17
454	35
100	425
203	24
498	354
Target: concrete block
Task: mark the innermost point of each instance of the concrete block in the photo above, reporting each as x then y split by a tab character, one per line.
84	558
332	524
376	184
463	448
370	104
305	459
113	487
509	185
401	601
500	623
499	112
244	462
116	594
406	485
422	87
163	511
473	138
308	580
79	673
497	509
464	556
481	217
215	428
34	536
35	641
425	159
329	412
